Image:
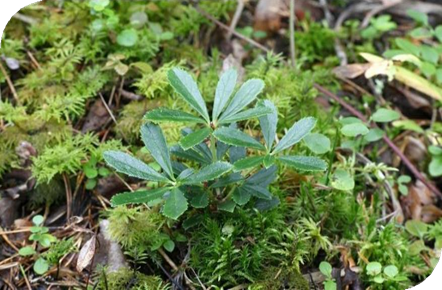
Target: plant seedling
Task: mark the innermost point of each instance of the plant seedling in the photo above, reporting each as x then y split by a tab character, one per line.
41	236
224	172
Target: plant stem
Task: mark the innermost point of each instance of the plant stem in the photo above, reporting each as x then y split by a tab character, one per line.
213	148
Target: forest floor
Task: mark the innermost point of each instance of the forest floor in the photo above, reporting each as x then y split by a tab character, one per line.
235	144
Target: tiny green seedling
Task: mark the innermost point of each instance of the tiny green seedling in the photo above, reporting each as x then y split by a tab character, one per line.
326	270
223	171
41	236
92	171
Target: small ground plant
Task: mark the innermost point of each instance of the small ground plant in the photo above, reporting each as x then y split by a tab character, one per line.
226	167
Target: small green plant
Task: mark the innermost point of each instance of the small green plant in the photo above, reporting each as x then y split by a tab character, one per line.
383	275
378	26
326	270
217	179
435	167
92	171
40	235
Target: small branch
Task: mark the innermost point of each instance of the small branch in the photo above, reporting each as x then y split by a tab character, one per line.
107	108
235	18
387	140
10	84
68	196
26	19
225	27
292	33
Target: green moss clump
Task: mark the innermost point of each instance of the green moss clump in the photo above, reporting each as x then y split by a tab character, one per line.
128	279
135	227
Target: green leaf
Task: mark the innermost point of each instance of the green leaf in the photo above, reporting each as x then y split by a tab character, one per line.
41	266
383	115
38	220
228	205
224	90
199	199
429	54
90	184
194	138
125	163
269	160
296	133
416	228
208	173
248	162
256	190
435	150
103	171
175	205
169	245
245	95
428	69
435	166
342	180
375	134
268	123
190	154
98	5
317	143
193	221
407	46
326	269
27	251
374	268
90	172
140	196
153	139
391	271
355	129
229	179
418	16
304	163
237	138
263	177
247	115
168	115
330	285
241	196
379	279
408	125
127	37
438	33
186	87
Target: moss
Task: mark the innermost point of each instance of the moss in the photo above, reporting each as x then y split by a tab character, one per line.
135	227
128	279
277	278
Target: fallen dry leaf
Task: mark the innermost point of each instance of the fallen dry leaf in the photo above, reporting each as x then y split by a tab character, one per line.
419	204
351	71
86	254
267	16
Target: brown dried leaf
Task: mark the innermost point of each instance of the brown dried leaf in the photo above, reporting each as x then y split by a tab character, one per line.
351	71
418	198
86	254
267	16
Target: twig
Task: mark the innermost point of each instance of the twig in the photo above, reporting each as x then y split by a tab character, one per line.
225	27
107	108
26	19
25	277
292	33
387	140
68	196
376	10
5	237
168	259
33	60
235	18
10	84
